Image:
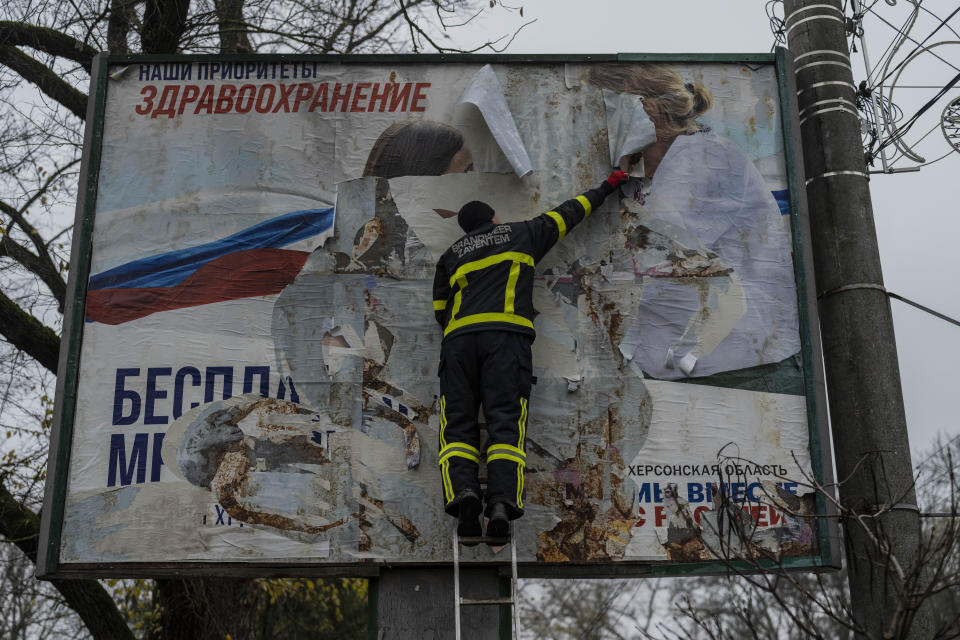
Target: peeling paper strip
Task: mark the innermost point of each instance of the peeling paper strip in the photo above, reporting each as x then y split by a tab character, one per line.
687	363
574	75
629	128
118	73
418	197
485	93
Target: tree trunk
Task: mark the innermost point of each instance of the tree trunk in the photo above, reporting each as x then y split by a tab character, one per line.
164	22
232	27
118	26
206	609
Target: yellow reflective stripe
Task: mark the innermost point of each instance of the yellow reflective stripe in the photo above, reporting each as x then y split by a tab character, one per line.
505	447
506	456
587	207
460	445
522	422
444	464
445	476
447	485
458	298
561	224
485	317
439	305
489	261
459	454
520	486
511	288
443	419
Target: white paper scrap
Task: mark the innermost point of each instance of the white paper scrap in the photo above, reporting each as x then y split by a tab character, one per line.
485	93
687	363
629	128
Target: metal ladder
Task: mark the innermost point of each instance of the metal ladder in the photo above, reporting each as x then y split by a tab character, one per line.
501	601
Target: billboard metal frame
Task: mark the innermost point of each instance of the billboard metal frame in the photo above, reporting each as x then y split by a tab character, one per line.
827	532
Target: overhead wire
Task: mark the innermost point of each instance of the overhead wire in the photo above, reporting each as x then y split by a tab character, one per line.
901	131
952	30
927	163
920	44
864	97
937	314
901	32
918	86
894	134
889	129
777	24
890	113
931	130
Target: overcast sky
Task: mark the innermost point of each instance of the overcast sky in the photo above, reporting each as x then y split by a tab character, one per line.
916	218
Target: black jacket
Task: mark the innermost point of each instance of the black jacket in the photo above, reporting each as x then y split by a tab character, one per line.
485	279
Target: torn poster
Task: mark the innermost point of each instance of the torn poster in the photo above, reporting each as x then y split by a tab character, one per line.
257	380
740	311
629	129
484	93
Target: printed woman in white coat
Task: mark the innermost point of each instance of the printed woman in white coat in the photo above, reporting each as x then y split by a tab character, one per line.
711	250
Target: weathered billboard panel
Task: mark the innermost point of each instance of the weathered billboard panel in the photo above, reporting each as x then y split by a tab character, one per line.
256	377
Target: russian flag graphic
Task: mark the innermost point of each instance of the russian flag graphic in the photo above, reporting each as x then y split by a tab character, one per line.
248	263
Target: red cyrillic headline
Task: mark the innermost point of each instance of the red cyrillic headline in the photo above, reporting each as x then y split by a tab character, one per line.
361	97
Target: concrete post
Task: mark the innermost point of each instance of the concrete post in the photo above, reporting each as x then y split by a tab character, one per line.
418	603
863	381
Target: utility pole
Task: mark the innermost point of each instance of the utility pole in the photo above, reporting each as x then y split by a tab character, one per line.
868	423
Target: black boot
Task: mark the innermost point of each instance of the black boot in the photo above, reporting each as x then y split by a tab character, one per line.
468	517
499	524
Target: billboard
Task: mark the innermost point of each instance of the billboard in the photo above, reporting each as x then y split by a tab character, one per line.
251	367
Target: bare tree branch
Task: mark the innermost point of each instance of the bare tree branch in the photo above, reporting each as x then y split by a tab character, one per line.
42	268
41	264
39	193
46	79
374	31
416	31
28	334
57	43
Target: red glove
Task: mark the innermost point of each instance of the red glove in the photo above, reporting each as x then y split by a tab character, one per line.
616	178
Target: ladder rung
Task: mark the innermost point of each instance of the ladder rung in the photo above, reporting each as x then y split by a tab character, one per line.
475	601
510	601
499	542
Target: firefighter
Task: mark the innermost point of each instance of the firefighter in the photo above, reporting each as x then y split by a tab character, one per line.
483	300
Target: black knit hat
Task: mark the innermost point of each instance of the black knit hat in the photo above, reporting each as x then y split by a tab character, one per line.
473	214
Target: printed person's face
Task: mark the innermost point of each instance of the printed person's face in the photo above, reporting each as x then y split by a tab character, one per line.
461	162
